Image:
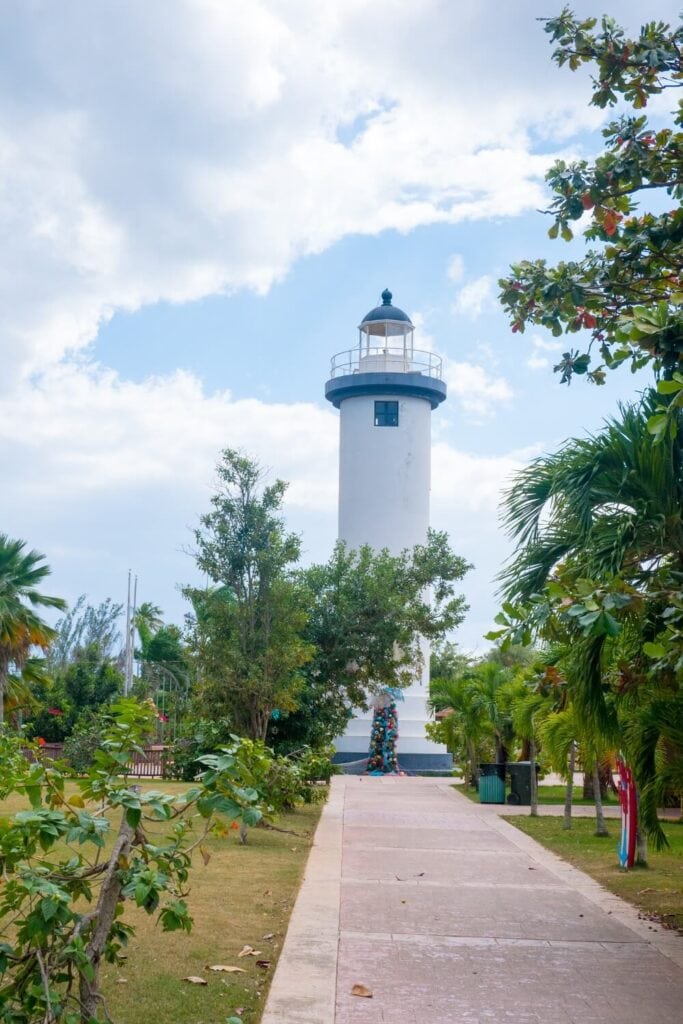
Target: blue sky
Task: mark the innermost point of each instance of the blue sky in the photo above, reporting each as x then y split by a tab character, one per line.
202	198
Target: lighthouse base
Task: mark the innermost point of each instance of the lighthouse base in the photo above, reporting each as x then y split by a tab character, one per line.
415	750
406	762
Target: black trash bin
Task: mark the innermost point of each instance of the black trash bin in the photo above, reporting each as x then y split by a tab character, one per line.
520	782
491	783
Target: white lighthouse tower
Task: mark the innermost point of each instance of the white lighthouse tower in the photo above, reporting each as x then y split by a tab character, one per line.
385	391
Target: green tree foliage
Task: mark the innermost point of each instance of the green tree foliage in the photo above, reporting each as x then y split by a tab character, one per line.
80	689
367	611
627	291
148	621
85	627
247	630
599	527
446	661
21	628
71	864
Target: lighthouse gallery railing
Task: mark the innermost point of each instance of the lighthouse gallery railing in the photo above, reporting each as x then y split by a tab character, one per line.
386	360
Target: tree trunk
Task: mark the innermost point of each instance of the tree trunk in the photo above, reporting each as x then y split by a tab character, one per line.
641	838
103	918
600	826
569	792
533	780
474	771
606	783
4	672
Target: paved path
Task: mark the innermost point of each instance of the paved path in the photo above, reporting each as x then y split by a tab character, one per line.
450	914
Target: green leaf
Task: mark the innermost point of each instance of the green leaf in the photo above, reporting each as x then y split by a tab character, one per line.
653	650
133	815
657	424
669	387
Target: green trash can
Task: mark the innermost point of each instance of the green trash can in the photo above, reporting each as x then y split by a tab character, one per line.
491	784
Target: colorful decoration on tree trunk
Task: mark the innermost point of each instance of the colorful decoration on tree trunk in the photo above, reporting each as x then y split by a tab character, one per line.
629	816
382	757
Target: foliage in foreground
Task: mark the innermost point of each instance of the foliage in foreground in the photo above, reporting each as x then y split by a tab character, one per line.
627	293
597	576
70	866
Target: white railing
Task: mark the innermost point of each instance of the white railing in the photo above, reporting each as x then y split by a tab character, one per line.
386	360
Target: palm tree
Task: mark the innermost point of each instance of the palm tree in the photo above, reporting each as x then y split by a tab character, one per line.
466	723
148	620
603	507
611	502
21	628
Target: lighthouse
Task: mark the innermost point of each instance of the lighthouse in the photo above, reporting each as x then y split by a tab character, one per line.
386	390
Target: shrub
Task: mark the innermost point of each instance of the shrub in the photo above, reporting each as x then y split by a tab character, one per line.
80	748
201	736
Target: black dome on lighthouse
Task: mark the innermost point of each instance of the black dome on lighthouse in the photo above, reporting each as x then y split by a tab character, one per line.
386	311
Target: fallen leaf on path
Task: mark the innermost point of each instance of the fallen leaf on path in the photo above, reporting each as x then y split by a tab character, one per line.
265	964
362	990
194	980
246	951
226	968
641	892
269	936
122	981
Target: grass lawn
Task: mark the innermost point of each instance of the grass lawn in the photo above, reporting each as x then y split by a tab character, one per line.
657	889
243	896
547	795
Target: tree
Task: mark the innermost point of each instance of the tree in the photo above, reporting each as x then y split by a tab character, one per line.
446	661
84	627
367	612
599	527
148	621
628	293
71	866
247	629
466	725
21	628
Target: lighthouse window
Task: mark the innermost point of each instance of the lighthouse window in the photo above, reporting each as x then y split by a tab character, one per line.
386	414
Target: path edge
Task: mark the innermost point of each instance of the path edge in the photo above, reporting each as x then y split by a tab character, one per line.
666	942
304	986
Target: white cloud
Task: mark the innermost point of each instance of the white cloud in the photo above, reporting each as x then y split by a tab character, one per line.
151	155
103	474
545	344
474	388
473	298
85	430
536	361
455	270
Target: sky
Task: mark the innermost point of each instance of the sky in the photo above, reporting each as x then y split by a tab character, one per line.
199	201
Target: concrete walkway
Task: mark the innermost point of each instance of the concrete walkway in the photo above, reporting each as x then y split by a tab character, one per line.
448	914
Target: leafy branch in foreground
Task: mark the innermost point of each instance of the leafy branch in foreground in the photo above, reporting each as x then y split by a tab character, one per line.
71	863
628	294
